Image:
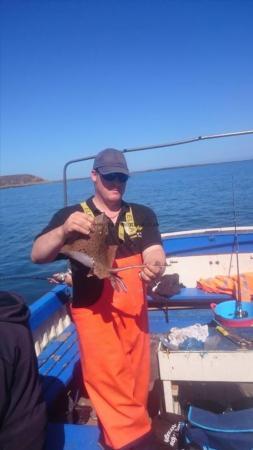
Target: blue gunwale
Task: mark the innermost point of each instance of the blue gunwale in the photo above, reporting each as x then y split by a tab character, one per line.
48	304
207	244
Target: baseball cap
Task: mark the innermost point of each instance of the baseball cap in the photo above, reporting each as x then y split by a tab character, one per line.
110	160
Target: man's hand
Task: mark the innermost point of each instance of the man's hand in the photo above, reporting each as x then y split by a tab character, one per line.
151	272
61	277
47	246
155	260
78	222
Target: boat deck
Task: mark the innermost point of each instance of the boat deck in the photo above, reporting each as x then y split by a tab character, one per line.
58	355
62	436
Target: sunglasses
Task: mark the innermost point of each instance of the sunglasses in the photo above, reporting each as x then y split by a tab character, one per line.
121	177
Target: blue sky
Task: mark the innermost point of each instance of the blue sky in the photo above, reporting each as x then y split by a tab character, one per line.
81	75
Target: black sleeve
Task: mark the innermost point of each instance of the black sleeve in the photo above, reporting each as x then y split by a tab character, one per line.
59	218
146	219
150	233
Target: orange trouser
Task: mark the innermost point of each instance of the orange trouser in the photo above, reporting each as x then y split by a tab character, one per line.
114	348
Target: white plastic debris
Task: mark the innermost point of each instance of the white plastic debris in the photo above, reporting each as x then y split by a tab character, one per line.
178	335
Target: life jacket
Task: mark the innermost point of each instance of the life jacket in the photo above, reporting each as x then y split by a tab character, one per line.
230	285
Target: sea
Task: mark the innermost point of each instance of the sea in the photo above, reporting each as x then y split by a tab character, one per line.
185	198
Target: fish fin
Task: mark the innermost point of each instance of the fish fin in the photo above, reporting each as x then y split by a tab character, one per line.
83	258
117	283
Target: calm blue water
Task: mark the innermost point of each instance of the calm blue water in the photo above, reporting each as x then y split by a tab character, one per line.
183	199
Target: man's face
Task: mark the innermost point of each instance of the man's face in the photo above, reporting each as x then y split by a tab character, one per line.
110	187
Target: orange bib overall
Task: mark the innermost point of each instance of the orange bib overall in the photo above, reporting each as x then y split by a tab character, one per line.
114	349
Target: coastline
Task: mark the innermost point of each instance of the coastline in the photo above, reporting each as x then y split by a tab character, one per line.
7	186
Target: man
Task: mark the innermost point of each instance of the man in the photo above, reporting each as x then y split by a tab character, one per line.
22	411
112	326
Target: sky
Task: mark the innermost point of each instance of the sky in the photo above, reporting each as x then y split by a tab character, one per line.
78	76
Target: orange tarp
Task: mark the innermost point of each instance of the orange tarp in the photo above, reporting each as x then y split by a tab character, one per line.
230	285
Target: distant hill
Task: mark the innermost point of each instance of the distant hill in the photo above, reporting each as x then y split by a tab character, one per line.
19	180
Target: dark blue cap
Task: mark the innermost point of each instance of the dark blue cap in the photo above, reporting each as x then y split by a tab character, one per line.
110	160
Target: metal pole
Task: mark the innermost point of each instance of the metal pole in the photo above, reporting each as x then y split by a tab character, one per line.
239	312
72	161
150	147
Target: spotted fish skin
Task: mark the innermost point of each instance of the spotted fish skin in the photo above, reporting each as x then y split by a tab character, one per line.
93	250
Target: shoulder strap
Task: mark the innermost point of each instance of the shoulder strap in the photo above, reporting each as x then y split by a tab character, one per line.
128	226
86	209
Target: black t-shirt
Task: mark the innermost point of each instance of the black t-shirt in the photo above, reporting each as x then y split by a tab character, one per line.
86	290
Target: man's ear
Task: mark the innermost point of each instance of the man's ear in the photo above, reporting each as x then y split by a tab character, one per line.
94	175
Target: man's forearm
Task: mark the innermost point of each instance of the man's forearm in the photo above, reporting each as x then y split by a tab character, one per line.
154	255
46	247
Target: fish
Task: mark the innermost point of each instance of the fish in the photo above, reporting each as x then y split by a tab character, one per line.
94	252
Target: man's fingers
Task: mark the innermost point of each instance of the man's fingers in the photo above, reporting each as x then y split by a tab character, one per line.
150	272
79	222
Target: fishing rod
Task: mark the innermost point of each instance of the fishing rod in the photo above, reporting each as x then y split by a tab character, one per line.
61	276
23	277
239	312
150	147
58	277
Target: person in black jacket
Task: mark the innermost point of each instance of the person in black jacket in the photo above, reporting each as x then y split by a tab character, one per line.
22	410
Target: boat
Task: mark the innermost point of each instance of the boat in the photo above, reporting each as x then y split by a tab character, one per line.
192	255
